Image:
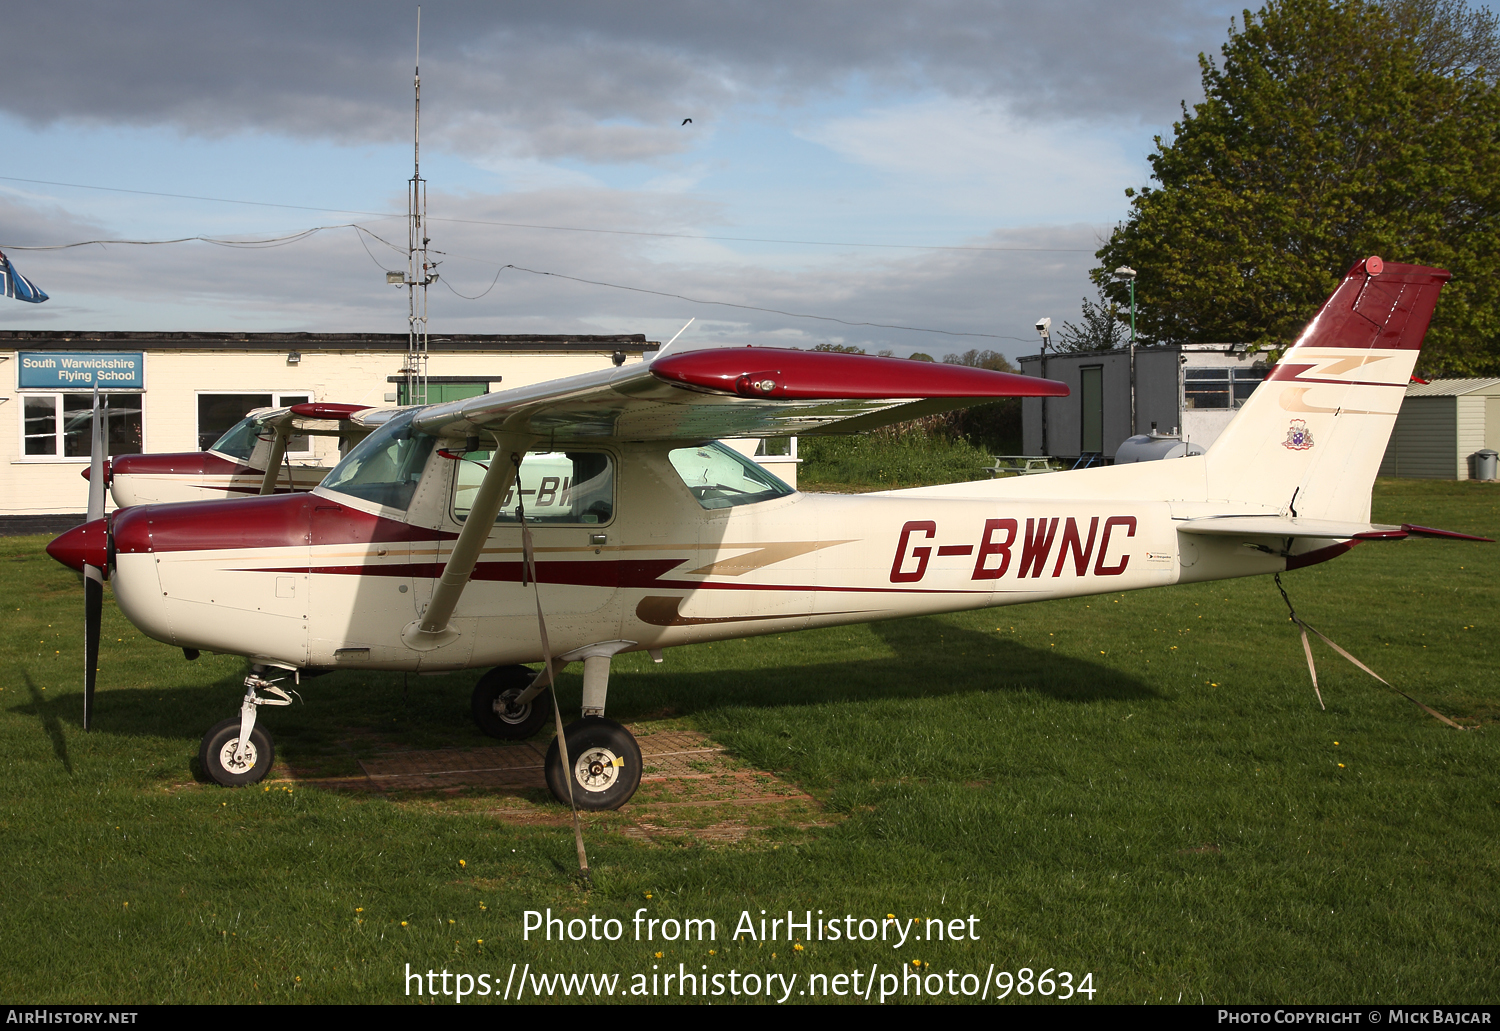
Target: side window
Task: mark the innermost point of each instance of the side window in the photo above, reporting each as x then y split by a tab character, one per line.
553	487
61	425
721	477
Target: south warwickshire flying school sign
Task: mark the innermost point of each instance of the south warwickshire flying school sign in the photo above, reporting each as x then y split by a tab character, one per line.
73	370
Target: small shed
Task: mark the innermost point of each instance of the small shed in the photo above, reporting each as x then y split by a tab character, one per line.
1441	426
1190	391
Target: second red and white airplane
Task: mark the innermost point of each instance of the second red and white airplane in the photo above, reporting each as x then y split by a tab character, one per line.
646	534
249	459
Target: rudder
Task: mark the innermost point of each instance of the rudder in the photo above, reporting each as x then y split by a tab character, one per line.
1310	439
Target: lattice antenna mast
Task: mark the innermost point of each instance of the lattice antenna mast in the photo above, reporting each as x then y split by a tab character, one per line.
419	271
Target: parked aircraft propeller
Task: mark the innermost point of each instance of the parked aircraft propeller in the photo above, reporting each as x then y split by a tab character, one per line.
93	575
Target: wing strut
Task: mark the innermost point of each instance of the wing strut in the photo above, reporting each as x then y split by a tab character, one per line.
549	673
432	630
273	464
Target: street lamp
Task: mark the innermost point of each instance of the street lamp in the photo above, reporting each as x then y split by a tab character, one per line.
1126	273
1044	327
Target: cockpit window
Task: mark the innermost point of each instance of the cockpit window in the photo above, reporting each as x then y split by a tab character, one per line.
721	477
240	439
554	487
386	466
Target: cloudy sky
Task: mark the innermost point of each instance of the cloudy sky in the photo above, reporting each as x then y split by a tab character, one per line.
944	165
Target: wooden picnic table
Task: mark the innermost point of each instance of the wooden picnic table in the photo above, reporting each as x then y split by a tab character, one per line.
1021	465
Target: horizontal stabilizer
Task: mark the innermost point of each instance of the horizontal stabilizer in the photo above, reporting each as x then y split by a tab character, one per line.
1328	529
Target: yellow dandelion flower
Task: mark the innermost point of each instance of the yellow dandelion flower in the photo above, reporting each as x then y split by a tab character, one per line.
658	955
1341	766
480	941
450	921
917	963
359	909
713	952
797	947
403	923
462	863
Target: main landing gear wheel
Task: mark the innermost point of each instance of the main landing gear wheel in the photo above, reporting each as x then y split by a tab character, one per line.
606	764
217	754
494	709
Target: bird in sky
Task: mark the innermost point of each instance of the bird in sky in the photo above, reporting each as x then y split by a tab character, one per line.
685	121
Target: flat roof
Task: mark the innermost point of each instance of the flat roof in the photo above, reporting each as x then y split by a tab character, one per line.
1453	387
129	340
1238	350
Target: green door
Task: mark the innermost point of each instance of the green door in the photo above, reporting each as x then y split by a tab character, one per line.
1091	396
437	393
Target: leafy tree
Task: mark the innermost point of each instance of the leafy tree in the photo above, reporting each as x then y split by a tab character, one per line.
1105	326
1330	130
976	359
839	348
922	356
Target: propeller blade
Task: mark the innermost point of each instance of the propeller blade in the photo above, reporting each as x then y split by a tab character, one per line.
96	463
93	609
93	576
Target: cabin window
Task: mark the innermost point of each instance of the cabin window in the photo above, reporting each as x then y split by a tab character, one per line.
553	487
720	477
61	425
222	414
386	466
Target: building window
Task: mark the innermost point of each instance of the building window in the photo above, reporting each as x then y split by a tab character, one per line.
218	412
1226	387
61	425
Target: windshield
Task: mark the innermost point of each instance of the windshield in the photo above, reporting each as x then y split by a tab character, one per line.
386	467
240	439
721	477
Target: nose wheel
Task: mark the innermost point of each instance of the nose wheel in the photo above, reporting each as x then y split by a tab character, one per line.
217	754
605	761
495	708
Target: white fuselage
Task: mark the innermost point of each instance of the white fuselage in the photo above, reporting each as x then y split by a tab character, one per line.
329	581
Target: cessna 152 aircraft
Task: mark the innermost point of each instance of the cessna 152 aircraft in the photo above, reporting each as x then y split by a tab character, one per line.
250	458
434	546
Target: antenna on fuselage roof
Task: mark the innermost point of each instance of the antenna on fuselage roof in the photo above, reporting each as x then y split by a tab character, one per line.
663	348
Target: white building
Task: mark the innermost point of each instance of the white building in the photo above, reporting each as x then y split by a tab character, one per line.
171	392
1441	426
1191	390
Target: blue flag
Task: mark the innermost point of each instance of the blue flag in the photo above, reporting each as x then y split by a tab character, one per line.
17	285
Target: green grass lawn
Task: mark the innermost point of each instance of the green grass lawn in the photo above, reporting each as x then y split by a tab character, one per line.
1140	787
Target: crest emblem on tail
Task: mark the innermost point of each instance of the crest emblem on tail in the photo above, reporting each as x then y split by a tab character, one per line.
1298	436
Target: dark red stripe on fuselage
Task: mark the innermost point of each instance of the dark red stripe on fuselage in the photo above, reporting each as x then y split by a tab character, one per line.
626	573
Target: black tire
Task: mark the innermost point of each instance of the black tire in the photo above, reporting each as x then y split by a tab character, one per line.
490	710
217	751
606	764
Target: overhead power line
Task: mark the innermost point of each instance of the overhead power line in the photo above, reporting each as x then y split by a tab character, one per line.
280	241
573	229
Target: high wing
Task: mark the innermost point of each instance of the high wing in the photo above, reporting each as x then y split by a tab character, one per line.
732	392
322	418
